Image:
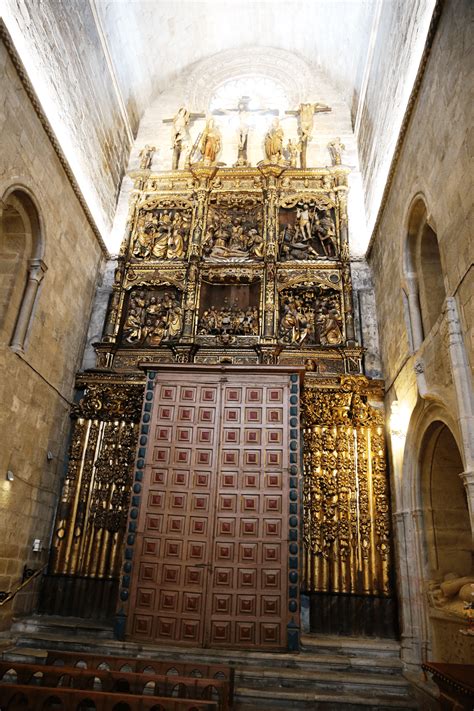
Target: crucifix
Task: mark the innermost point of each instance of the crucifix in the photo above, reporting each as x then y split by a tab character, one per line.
180	136
243	112
305	115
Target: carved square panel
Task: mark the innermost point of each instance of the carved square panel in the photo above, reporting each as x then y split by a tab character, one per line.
165	413
158	477
198	526
254	395
271	579
178	500
151	547
252	458
224	552
274	436
173	549
206	415
231	415
274	395
200	502
145	598
233	395
188	394
245	632
229	480
253	415
272	527
208	394
251	480
247	578
222	604
175	524
246	605
161	455
203	457
156	499
184	434
230	457
148	572
205	435
223	577
271	553
192	603
248	527
180	477
190	630
231	436
153	524
163	434
196	551
221	632
274	416
270	605
201	479
193	577
273	458
273	480
270	633
168	392
248	552
253	437
170	574
227	503
226	527
185	414
166	628
249	503
142	625
182	456
272	504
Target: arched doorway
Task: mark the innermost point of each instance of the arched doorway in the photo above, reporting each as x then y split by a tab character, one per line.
446	543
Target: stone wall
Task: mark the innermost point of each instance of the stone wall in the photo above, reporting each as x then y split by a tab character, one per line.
60	45
432	383
36	386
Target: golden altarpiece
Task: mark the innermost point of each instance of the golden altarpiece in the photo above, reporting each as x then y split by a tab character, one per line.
222	268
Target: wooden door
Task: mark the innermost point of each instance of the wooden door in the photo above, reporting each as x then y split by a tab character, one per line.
211	553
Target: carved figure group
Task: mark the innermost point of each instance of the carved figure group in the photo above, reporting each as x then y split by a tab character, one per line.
306	320
307	233
229	320
162	234
235	238
152	318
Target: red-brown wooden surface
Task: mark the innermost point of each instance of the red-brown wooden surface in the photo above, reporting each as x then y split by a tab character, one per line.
211	558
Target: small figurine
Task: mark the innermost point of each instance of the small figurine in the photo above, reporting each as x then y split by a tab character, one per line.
146	156
335	149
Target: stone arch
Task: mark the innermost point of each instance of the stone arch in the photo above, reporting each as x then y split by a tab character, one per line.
423	282
432	435
22	247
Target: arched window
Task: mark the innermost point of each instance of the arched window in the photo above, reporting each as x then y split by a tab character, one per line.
22	266
424	291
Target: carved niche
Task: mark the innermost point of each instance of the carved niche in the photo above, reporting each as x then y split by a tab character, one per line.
162	229
234	230
308	229
152	316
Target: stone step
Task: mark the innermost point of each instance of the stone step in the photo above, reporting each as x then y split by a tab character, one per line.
365	646
248	698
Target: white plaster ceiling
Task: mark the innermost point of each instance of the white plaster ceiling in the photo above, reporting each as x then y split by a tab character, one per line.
152	41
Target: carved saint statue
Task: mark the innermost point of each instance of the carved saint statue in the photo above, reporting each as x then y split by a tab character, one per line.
293	150
146	157
274	142
335	149
180	134
210	143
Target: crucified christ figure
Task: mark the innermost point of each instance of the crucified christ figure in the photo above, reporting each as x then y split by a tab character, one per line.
244	115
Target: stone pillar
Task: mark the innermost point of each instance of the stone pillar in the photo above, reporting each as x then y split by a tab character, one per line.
462	380
36	271
415	312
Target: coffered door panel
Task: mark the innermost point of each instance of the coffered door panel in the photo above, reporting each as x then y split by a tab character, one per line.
175	525
247	602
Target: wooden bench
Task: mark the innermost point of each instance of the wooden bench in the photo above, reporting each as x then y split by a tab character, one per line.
161	685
